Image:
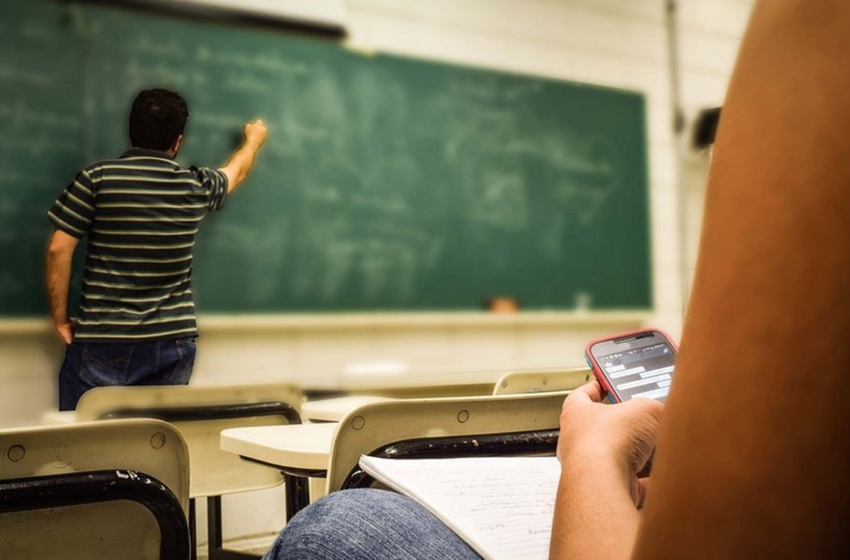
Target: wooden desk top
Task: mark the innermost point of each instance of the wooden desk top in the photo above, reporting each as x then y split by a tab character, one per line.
299	446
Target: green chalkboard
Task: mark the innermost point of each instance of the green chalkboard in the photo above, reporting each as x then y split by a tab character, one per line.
388	183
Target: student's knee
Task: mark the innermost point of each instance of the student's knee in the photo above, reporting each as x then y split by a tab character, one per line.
332	527
365	524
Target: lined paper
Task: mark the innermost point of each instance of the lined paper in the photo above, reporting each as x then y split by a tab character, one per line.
501	506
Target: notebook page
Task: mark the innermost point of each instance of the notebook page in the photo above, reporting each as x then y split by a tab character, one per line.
501	506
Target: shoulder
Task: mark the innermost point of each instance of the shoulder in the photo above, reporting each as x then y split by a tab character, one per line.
96	170
215	183
91	173
208	175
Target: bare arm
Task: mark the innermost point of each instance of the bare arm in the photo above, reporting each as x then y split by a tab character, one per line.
242	160
752	458
60	254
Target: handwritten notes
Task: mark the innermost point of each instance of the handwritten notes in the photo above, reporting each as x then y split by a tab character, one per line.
501	506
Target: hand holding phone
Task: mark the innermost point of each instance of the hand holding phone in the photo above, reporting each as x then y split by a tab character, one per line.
635	365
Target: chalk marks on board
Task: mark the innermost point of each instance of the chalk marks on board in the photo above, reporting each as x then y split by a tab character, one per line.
38	31
24	77
502	201
239	81
587	179
382	264
22	115
10	285
267	61
157	48
39	146
503	169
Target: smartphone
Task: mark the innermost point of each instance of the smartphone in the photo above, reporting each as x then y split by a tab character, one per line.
635	365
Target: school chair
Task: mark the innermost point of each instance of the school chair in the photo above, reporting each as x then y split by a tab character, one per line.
445	427
518	382
115	490
201	413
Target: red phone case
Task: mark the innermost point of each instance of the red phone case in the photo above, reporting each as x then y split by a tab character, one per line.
594	365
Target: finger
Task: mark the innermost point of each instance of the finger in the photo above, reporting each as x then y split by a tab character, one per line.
588	392
645	469
643	490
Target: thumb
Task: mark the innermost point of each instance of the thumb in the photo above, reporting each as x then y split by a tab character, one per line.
588	392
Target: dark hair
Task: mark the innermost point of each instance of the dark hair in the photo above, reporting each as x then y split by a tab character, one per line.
157	118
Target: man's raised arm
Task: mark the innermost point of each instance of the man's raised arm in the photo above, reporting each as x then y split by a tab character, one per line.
242	160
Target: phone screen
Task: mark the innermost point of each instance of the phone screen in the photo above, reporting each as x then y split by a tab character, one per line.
640	373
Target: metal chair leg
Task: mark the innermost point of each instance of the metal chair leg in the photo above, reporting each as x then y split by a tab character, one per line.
193	530
216	537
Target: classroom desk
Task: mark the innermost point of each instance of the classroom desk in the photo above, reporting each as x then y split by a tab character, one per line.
299	451
334	410
322	410
418	383
55	417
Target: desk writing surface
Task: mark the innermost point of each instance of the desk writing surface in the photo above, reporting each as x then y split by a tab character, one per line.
385	383
301	446
60	417
333	410
387	183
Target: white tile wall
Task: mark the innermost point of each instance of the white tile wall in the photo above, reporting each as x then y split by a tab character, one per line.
710	36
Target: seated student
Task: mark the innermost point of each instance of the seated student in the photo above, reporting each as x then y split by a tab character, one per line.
752	453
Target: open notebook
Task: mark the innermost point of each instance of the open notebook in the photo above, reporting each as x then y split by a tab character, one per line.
501	506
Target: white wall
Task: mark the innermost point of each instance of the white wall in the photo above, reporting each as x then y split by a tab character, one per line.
619	43
711	33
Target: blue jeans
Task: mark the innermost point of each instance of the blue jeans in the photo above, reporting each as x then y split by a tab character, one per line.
88	365
367	524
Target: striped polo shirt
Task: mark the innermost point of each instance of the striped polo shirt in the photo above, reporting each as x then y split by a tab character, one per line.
141	213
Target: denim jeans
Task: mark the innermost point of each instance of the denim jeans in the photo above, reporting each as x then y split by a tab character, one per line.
88	365
367	524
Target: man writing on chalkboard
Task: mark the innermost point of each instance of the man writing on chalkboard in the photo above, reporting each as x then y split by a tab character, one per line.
141	213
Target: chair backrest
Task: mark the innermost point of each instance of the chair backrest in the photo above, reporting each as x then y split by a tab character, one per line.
201	413
541	381
375	426
108	469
